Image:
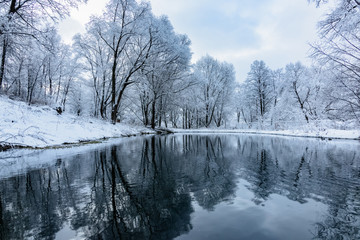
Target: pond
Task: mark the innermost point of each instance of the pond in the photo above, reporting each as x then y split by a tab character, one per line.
201	186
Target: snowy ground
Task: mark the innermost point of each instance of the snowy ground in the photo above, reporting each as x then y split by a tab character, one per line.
41	126
21	124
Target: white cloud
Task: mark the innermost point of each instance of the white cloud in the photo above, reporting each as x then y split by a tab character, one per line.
78	19
276	31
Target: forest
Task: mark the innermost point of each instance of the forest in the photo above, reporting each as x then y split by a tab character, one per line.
133	67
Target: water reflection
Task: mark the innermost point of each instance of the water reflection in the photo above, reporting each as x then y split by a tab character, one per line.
158	187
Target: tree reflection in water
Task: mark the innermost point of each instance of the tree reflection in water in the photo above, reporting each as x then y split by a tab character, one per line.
144	188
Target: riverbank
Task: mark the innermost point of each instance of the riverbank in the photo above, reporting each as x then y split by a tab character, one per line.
27	126
24	126
324	134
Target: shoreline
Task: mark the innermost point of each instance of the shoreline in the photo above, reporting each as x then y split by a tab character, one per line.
284	133
41	127
347	134
13	146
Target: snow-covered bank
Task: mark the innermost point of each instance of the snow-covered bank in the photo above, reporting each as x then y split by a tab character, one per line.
328	133
41	126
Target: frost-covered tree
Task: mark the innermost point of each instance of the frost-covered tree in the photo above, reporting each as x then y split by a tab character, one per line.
277	86
215	85
40	71
96	60
165	71
190	108
22	19
298	85
246	107
258	88
339	50
124	30
129	46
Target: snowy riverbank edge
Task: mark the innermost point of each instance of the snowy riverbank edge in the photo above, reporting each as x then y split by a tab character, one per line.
326	134
32	126
24	126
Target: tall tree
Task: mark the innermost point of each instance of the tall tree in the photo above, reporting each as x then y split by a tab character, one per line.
339	50
96	58
258	83
214	85
125	31
165	72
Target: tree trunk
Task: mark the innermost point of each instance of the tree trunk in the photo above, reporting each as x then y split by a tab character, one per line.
183	120
113	91
301	102
103	103
160	111
3	59
145	112
153	113
207	116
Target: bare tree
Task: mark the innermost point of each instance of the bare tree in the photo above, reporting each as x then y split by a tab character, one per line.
165	72
258	83
25	18
124	30
214	85
299	86
96	60
339	50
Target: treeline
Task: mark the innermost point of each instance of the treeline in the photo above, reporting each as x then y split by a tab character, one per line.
131	66
324	95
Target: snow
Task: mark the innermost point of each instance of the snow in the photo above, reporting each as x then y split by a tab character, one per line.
41	126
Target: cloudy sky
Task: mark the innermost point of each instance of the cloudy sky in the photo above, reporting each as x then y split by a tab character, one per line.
236	31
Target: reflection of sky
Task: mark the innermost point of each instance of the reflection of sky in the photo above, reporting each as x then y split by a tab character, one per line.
241	218
67	233
237	31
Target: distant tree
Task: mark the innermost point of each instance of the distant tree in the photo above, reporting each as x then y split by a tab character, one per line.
237	102
277	85
258	85
215	83
224	106
189	107
247	107
298	83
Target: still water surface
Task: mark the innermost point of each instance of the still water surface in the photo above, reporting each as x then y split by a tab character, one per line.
189	187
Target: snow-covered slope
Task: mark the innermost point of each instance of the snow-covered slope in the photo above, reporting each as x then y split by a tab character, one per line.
34	126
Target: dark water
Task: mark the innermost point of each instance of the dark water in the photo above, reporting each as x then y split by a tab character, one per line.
188	187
